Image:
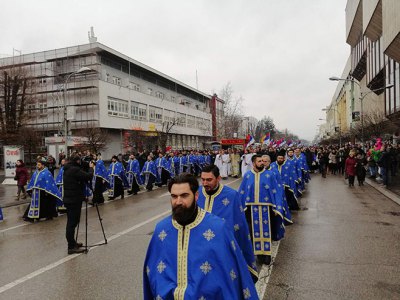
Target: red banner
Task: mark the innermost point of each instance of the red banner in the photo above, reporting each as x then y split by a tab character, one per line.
233	142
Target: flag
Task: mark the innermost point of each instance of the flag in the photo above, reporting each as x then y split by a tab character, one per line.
266	139
250	139
290	143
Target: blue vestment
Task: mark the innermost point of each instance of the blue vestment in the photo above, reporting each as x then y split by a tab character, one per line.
42	181
116	170
161	163
288	175
258	192
133	172
225	203
199	261
60	181
149	169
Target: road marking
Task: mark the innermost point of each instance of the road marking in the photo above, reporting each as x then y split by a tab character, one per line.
14	227
265	274
70	257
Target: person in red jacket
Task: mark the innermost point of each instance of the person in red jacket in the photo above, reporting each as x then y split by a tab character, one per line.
350	167
21	175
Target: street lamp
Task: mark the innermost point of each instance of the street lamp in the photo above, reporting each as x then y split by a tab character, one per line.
361	98
334	122
81	70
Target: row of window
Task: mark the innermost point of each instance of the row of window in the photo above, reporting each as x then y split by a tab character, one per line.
138	111
392	95
135	86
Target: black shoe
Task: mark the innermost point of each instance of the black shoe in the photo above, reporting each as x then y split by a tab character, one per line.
76	250
29	220
111	198
78	245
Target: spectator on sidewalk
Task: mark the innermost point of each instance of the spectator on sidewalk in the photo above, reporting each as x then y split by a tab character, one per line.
350	168
360	169
384	165
21	175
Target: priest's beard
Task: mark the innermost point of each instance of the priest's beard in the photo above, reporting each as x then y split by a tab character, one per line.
184	215
260	168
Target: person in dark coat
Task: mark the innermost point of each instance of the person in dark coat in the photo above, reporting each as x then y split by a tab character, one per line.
350	168
21	175
360	169
74	179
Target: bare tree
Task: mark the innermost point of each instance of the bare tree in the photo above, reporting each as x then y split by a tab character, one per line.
163	133
16	90
31	142
375	124
97	139
233	112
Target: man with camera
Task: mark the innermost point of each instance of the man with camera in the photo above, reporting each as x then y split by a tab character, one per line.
75	179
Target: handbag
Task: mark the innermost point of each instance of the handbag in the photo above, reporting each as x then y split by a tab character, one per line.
15	177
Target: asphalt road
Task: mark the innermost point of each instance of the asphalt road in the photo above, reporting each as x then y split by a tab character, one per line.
345	244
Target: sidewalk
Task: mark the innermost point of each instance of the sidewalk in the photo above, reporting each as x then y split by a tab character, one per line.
392	193
8	192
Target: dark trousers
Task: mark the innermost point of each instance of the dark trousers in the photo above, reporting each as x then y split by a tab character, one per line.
135	187
73	218
98	191
351	179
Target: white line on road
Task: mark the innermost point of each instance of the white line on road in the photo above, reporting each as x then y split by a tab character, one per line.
69	257
14	227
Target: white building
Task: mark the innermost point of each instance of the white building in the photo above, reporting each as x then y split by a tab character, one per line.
118	94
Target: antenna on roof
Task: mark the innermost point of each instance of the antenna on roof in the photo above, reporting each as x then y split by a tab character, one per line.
91	36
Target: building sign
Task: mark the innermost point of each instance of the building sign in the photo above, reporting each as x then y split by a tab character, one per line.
233	141
72	140
11	155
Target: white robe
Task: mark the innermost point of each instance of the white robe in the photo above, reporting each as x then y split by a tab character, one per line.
246	163
218	162
224	169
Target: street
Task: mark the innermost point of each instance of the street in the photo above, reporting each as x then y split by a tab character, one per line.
344	244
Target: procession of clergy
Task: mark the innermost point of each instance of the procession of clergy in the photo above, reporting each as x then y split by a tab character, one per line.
271	189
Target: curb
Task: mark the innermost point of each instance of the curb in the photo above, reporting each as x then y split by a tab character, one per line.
392	196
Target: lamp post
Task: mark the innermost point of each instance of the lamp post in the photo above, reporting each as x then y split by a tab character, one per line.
334	122
361	98
81	70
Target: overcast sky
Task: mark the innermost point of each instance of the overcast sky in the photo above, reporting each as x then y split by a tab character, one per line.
277	54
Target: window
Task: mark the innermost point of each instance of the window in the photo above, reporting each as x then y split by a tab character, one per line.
149	91
107	77
116	80
191	121
138	111
134	86
43	108
160	95
199	123
117	107
173	98
181	119
169	116
155	114
31	108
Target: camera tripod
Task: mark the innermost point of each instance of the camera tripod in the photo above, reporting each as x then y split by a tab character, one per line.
86	246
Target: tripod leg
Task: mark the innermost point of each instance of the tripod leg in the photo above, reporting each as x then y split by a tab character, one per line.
86	227
101	223
77	228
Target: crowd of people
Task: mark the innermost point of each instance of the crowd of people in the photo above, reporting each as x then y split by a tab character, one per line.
249	218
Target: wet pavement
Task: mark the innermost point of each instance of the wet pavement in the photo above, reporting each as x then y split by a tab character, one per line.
345	244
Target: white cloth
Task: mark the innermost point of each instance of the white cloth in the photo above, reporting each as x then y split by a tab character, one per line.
224	169
218	161
246	163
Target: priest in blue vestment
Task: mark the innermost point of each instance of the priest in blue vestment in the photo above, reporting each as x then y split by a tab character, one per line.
192	254
116	179
297	166
224	202
45	196
282	209
163	171
148	173
258	192
133	175
301	157
288	175
99	180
